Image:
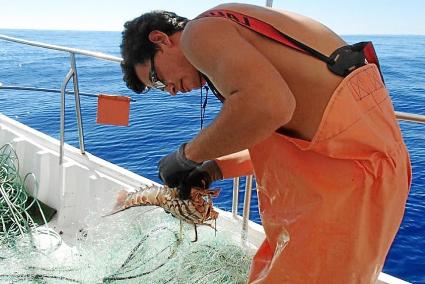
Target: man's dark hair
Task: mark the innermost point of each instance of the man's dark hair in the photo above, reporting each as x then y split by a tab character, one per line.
136	46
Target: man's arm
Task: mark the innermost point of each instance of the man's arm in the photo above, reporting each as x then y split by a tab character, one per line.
258	100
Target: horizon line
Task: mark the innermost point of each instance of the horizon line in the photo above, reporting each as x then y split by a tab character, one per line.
115	31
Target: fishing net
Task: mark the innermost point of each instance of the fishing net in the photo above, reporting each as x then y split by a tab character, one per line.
19	212
140	245
161	256
132	247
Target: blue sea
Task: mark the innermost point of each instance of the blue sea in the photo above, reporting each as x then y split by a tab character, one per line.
159	123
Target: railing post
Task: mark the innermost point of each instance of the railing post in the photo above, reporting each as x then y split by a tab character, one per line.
62	115
246	206
235	199
77	103
72	73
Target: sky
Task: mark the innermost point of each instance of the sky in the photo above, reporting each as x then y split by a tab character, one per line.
345	17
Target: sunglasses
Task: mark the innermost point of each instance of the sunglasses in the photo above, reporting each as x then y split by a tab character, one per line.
156	83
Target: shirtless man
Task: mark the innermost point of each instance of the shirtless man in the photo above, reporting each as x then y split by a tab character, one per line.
332	170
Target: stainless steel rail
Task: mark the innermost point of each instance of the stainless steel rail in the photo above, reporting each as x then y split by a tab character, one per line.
247	203
235	199
410	117
77	103
62	117
71	74
62	48
45	90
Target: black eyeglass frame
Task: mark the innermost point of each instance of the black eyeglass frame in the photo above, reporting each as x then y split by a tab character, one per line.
153	76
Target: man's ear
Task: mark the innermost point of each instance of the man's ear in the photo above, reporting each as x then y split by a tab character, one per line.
159	38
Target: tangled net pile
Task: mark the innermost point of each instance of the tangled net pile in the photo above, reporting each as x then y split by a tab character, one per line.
141	248
14	217
160	257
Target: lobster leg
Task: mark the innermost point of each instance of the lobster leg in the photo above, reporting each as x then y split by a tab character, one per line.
196	234
181	230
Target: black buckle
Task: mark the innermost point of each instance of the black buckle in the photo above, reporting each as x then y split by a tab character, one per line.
346	59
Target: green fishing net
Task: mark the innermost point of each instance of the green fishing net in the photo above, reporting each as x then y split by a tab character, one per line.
19	212
131	247
140	245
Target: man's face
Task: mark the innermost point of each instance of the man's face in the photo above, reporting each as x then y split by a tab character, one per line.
169	67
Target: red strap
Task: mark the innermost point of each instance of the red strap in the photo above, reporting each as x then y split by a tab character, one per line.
271	32
253	24
371	57
370	54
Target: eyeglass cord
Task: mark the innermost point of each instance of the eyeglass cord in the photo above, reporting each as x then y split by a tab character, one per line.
203	104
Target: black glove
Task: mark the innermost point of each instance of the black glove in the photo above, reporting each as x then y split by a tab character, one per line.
174	167
202	176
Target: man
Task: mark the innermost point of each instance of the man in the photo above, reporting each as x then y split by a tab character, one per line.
305	112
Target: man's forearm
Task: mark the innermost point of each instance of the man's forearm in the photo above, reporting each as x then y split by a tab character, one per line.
241	124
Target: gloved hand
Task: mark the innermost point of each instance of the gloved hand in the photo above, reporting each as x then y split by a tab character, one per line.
202	176
174	167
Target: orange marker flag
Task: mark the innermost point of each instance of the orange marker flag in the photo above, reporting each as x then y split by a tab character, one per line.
113	110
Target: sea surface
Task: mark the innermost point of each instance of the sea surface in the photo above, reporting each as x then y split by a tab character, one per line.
159	123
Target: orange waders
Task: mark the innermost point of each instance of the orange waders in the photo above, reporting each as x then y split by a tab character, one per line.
332	207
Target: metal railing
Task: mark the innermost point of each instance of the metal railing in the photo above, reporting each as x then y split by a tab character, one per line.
99	55
74	75
44	90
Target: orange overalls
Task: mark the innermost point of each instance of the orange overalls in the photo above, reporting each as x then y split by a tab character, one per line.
332	207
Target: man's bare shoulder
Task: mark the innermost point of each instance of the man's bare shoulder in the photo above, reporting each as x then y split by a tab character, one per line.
207	36
204	28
